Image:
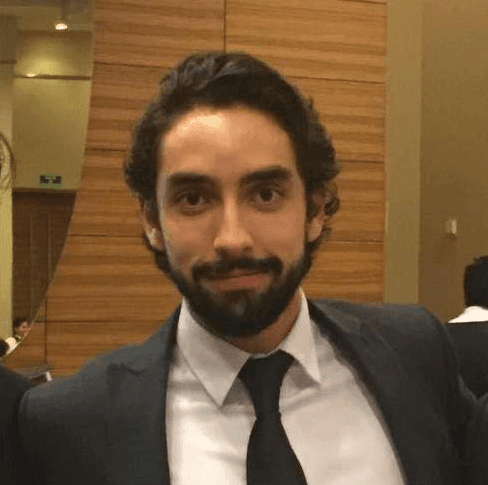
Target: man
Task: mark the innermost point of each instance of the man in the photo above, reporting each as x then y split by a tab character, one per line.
234	177
469	331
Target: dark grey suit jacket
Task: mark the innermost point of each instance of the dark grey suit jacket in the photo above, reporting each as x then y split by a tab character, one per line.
471	343
106	425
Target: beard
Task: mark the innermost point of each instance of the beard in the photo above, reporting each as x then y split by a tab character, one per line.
238	313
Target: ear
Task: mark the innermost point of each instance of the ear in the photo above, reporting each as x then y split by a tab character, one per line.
316	224
151	227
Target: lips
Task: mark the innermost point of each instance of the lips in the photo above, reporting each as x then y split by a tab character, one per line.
234	274
239	280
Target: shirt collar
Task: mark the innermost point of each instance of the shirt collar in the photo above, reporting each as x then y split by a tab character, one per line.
216	363
472	314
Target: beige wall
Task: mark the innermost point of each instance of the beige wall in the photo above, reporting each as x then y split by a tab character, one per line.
49	129
51	114
403	123
454	160
437	149
8	33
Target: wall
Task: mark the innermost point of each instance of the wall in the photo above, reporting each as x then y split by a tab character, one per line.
403	144
51	109
454	161
8	35
107	291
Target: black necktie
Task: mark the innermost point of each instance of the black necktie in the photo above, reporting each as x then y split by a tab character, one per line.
270	458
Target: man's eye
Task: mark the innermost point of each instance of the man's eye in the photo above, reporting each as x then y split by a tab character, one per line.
192	200
268	195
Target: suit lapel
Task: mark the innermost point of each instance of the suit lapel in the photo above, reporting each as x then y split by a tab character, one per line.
135	412
419	434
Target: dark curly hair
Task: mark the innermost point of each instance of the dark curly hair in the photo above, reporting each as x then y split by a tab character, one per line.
223	80
476	283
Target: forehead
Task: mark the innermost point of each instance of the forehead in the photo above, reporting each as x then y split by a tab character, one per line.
226	143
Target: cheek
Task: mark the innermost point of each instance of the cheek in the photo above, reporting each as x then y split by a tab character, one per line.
284	235
186	241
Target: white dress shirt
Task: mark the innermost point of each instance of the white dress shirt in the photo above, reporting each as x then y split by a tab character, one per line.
331	420
472	314
12	344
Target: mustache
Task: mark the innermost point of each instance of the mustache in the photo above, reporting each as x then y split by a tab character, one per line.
220	269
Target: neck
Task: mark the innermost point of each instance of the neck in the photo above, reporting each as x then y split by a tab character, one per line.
272	336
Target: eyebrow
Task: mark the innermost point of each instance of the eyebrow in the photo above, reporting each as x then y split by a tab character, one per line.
272	174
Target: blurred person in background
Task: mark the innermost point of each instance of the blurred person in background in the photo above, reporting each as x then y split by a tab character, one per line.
469	330
20	329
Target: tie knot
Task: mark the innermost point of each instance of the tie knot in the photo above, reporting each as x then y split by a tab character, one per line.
263	378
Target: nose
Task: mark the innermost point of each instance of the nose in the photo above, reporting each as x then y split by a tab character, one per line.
232	238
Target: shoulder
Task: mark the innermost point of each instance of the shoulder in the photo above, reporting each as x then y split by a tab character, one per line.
90	385
399	320
416	336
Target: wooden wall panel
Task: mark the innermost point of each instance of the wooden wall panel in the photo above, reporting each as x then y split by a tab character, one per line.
104	204
343	270
156	33
70	342
320	39
361	216
366	1
105	278
354	115
119	94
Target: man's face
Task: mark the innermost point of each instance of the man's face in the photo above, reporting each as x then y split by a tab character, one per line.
23	328
232	218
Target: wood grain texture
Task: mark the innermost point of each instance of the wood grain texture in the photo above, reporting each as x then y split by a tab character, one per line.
366	1
71	344
347	270
312	38
155	33
361	216
109	279
119	94
353	113
104	204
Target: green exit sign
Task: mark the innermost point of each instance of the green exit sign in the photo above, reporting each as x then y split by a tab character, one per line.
50	180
